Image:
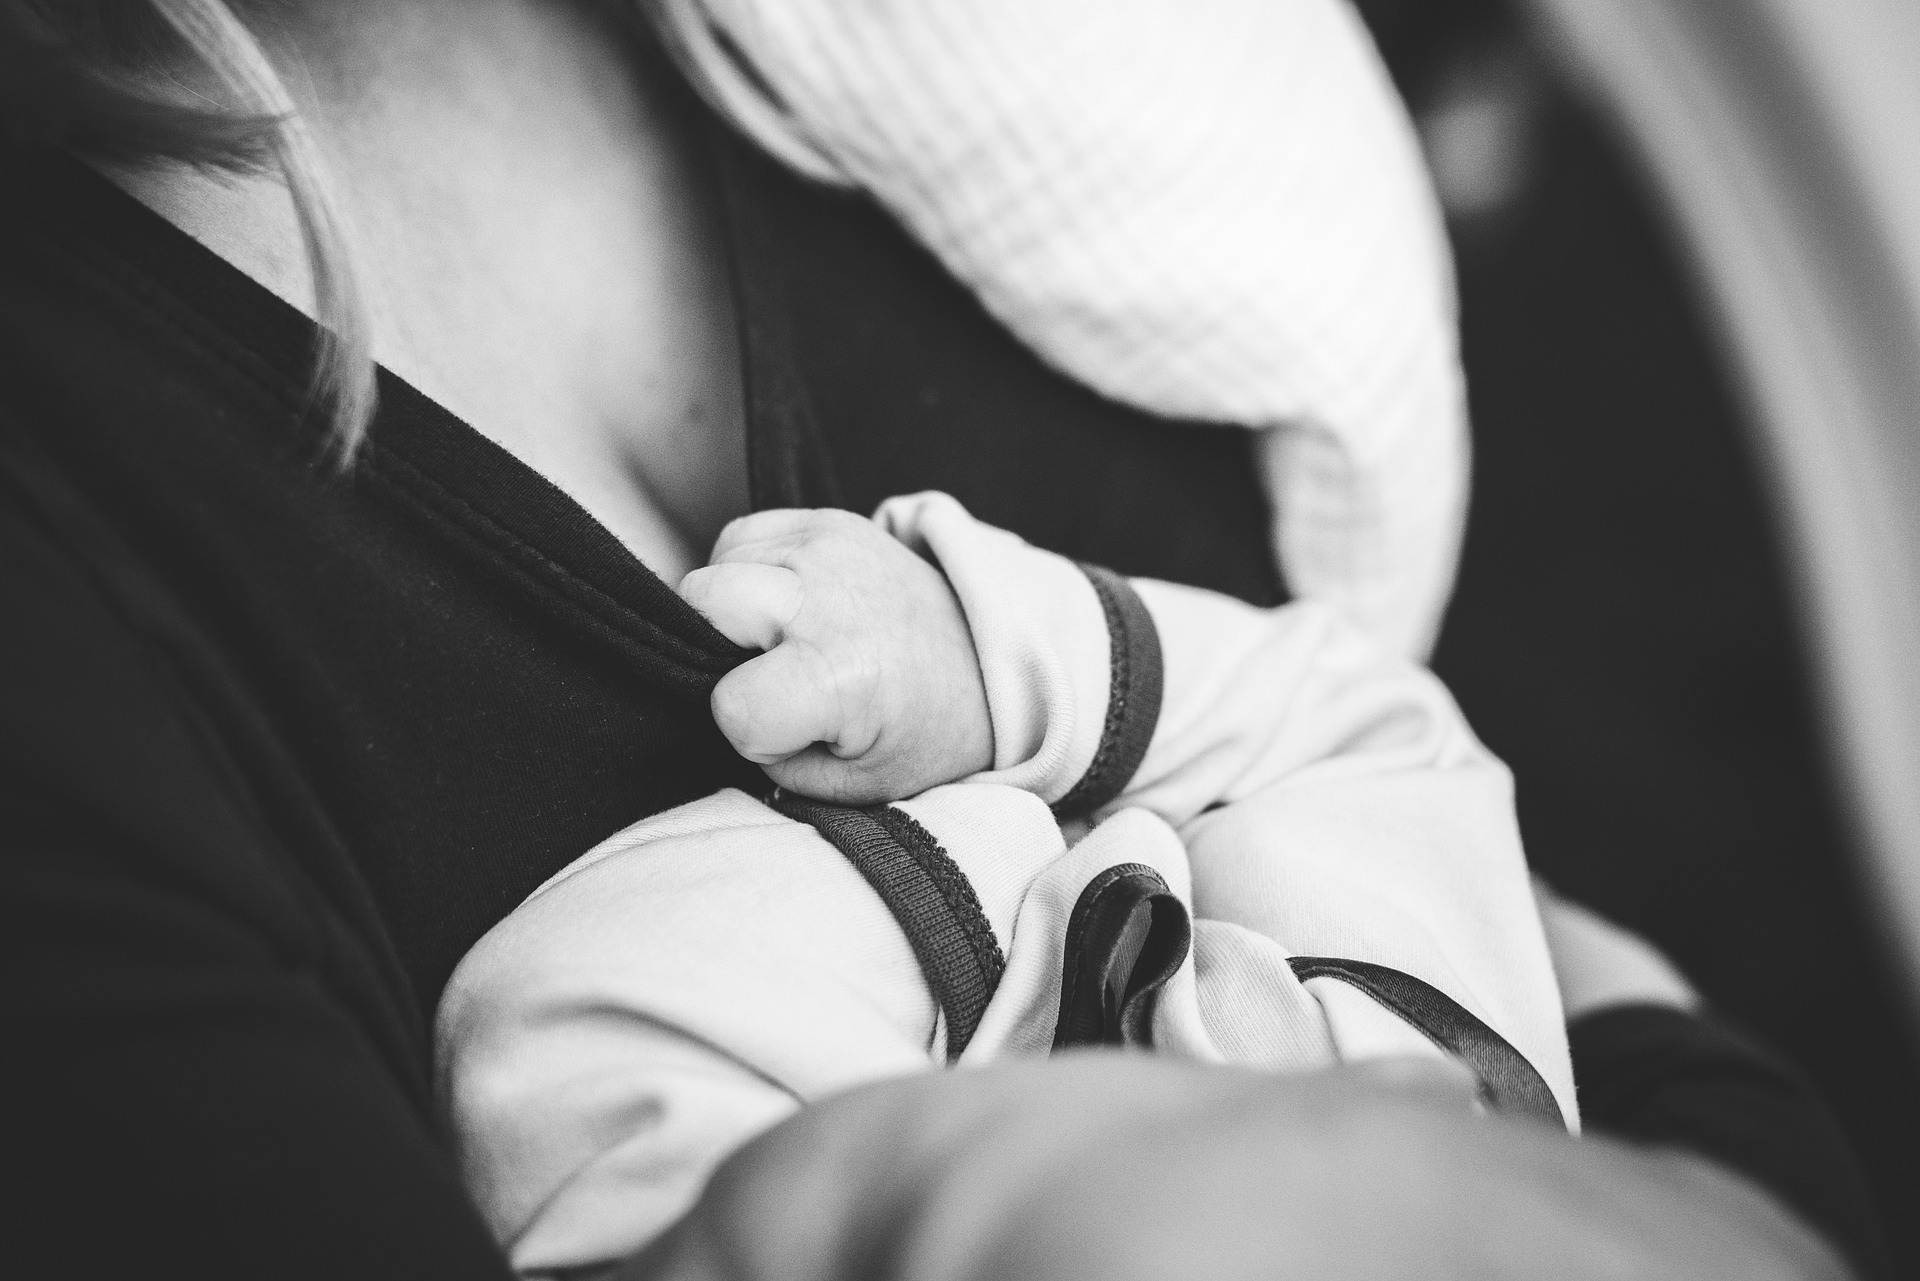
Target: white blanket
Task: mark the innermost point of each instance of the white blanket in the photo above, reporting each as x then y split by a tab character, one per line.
1213	210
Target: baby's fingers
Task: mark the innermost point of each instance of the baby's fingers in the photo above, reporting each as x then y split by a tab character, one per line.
751	604
781	703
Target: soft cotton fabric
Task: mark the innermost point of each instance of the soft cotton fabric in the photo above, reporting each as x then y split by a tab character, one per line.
699	976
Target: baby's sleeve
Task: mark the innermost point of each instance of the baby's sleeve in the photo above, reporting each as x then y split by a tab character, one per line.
669	995
1332	798
1106	692
1330	795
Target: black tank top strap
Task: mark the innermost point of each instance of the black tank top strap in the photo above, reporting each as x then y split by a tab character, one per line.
871	372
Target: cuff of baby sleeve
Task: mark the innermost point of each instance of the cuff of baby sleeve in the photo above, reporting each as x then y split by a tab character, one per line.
1135	681
1051	638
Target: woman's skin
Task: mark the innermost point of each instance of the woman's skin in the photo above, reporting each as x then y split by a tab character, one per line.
536	239
540	248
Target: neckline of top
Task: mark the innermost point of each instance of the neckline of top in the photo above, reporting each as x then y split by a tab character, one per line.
415	443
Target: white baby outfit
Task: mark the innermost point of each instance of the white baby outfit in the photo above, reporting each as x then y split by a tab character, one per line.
699	976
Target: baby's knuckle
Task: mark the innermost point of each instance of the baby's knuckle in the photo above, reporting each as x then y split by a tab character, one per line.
859	673
810	526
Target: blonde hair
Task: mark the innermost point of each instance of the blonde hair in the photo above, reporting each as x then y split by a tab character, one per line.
343	372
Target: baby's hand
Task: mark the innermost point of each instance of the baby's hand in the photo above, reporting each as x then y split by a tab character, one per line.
870	689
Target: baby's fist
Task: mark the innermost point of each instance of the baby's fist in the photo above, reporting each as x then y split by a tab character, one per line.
870	689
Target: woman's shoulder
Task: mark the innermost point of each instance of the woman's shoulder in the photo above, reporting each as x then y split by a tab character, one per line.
91	718
179	992
115	771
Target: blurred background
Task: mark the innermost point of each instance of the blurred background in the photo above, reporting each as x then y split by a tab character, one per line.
1684	614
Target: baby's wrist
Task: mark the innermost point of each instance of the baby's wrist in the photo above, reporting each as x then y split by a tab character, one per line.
1068	657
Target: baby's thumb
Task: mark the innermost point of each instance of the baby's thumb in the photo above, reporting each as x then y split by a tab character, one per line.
778	704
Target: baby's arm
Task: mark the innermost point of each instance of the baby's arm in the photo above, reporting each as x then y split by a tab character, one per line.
650	1008
1330	796
924	646
1104	692
698	977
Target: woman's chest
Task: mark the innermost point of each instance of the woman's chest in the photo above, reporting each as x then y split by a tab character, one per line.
532	228
549	265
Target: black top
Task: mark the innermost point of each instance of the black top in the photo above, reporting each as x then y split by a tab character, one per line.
280	744
1653	1075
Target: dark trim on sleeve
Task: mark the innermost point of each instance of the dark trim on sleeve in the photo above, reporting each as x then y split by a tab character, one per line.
928	895
1133	696
1655	1074
1126	937
1508	1083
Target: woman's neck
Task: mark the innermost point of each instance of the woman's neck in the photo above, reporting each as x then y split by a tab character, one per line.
533	226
